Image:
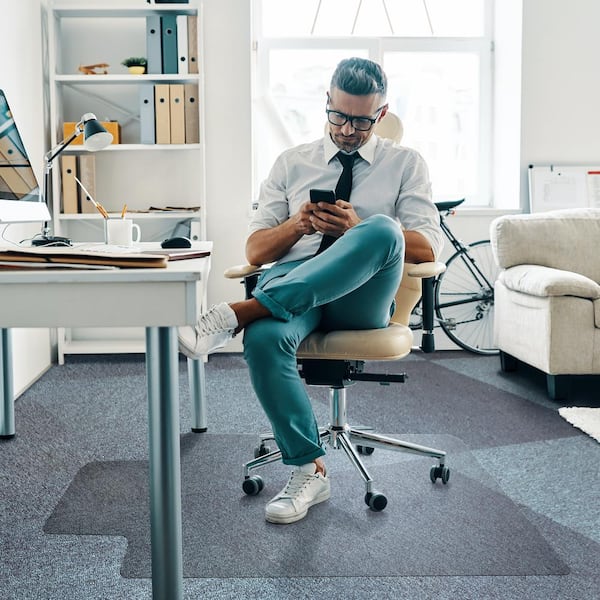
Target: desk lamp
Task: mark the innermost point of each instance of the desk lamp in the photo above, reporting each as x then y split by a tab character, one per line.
95	137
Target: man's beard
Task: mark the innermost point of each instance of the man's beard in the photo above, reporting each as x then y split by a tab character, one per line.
347	144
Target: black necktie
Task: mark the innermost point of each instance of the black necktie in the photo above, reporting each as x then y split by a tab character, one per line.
342	190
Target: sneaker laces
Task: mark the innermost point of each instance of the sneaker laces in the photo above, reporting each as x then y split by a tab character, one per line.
212	322
297	482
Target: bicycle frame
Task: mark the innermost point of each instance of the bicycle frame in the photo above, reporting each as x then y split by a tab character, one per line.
468	286
469	262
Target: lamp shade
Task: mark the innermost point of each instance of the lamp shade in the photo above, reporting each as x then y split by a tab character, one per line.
95	136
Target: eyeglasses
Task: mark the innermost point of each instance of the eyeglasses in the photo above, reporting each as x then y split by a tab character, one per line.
359	123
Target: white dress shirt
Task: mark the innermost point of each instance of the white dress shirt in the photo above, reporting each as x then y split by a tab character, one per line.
387	179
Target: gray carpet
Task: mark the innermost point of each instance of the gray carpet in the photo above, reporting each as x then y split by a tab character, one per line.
518	468
464	528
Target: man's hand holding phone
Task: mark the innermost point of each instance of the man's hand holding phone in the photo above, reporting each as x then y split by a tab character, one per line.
331	217
327	196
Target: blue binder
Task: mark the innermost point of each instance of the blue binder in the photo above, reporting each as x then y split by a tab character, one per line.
147	120
153	45
170	58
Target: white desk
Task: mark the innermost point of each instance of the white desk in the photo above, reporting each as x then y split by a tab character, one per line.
157	299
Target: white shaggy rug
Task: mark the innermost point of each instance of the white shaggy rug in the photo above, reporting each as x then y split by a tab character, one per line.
585	418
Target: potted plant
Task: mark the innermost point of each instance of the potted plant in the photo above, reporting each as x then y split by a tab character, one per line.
135	64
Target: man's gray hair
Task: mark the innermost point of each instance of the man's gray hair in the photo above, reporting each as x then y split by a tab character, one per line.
359	77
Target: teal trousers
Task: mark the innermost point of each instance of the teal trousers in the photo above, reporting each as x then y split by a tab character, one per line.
351	285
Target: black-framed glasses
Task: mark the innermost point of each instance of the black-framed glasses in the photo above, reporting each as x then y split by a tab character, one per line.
335	117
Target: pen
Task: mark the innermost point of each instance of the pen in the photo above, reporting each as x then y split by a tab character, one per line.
98	206
123	211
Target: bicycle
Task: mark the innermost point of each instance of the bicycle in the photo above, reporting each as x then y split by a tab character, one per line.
464	293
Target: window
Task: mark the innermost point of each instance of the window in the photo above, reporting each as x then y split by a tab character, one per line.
437	55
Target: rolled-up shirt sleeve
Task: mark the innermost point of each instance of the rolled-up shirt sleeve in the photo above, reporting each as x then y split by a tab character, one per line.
414	206
273	206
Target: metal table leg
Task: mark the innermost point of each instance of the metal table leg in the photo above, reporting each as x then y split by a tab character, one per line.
197	394
7	402
162	377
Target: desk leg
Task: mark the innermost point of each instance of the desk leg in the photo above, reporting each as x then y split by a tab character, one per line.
197	394
7	402
162	377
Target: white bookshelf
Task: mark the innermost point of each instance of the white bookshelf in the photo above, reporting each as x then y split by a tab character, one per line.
146	177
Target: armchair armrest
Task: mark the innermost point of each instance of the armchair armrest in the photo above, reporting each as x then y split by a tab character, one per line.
536	280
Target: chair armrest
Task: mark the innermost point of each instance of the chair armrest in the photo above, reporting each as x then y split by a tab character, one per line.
427	272
241	271
424	270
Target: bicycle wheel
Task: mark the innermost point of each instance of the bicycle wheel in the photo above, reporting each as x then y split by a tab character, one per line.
464	298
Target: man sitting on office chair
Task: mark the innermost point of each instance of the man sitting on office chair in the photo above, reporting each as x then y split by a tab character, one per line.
318	284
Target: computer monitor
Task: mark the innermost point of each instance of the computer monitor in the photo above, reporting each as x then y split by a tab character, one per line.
20	198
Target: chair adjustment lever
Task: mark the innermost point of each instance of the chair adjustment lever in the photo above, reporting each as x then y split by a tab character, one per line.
380	377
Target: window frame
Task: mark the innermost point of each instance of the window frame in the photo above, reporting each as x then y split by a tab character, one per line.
376	49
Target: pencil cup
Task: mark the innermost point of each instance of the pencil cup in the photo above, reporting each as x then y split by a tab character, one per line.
121	232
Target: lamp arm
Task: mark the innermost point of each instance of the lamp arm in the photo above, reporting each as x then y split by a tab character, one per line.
50	156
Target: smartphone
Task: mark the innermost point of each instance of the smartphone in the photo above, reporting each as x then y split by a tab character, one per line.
322	196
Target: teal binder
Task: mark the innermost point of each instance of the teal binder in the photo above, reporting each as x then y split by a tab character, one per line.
170	57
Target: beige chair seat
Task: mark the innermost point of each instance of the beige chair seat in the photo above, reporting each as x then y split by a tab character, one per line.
391	343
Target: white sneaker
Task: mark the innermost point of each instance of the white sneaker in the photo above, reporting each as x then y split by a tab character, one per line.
213	330
305	488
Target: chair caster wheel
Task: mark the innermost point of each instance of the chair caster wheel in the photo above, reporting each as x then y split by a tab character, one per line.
366	450
375	501
261	451
253	485
439	472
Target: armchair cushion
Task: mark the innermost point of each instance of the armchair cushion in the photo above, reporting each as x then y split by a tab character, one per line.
561	239
547	298
541	281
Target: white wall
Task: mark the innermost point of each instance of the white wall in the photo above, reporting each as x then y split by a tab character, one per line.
561	84
22	81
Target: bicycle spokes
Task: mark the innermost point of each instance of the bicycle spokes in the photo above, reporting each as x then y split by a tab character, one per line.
464	298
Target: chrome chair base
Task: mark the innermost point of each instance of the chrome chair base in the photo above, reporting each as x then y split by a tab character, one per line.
339	434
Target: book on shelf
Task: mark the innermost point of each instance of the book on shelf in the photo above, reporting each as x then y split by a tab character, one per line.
168	28
177	116
182	45
70	190
153	45
172	44
147	132
162	113
113	127
192	119
86	168
169	113
192	39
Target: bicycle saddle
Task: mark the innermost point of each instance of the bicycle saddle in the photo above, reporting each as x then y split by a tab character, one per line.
449	204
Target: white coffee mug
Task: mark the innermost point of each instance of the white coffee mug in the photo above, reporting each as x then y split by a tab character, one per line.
120	232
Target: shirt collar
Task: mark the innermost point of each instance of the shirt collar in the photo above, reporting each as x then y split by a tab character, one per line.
366	152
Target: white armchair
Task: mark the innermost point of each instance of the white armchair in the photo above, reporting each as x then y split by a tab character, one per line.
547	296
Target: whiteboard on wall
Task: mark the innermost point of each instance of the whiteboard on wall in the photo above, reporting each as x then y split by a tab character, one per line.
554	187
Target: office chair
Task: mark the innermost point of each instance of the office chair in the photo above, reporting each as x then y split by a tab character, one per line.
336	359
